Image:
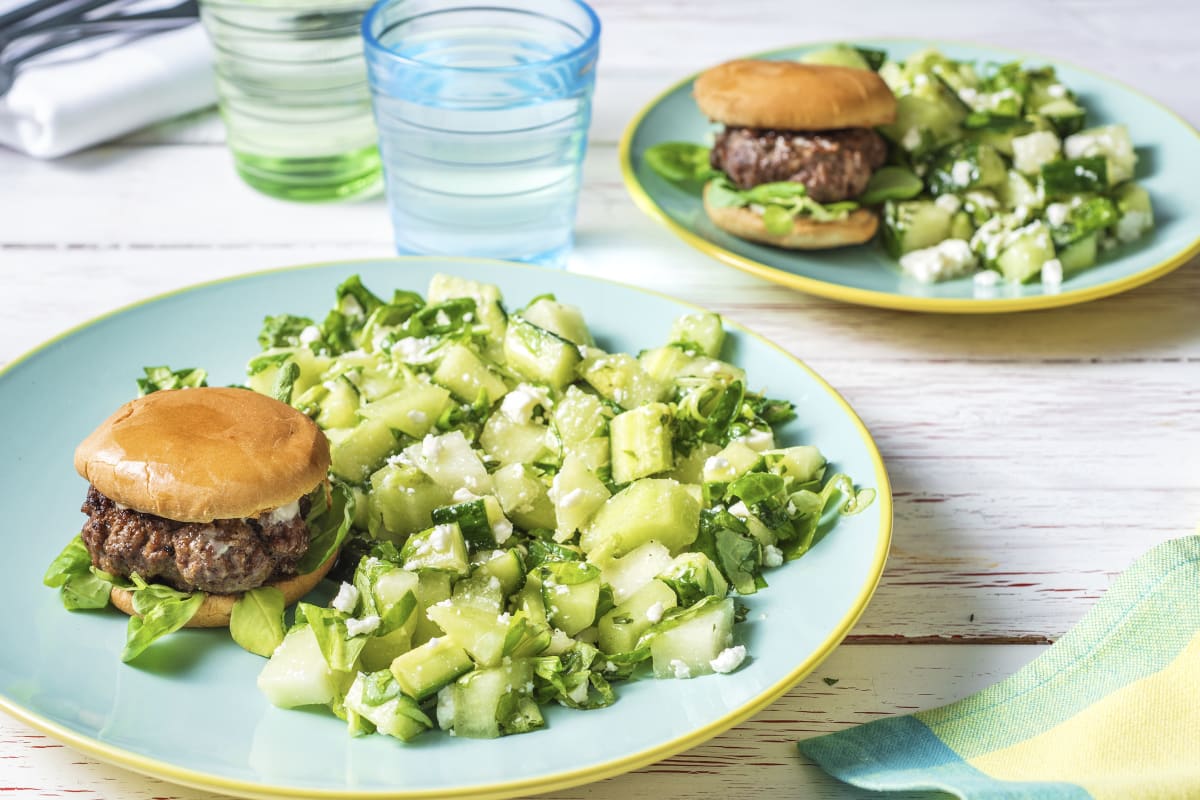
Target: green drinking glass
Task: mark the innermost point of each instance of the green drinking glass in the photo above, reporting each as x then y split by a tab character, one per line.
292	88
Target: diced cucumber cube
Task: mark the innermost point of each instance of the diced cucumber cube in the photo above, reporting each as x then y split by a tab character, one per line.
629	573
579	416
1110	142
731	463
701	329
439	548
1078	255
641	442
380	651
432	587
413	410
538	354
690	468
488	308
425	669
1028	249
357	452
466	376
1066	177
1137	215
478	631
512	442
507	567
621	627
652	508
1032	151
620	379
297	673
523	497
491	702
401	501
451	461
570	594
800	464
966	165
684	646
377	697
560	319
339	405
576	493
664	364
914	225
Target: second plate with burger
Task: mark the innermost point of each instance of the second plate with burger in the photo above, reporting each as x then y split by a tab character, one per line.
918	175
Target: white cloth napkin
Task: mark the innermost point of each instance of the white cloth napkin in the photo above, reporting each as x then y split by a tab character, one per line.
57	108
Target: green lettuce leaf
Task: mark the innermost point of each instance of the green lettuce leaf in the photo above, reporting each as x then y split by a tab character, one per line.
166	378
160	610
71	573
790	198
329	626
680	162
328	524
256	622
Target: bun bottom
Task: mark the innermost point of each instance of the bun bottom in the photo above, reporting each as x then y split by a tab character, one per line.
806	234
214	612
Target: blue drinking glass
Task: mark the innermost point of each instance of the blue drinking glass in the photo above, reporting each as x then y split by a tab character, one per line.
483	113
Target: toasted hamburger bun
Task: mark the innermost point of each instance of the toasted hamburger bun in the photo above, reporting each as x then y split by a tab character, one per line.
216	609
806	234
787	95
195	455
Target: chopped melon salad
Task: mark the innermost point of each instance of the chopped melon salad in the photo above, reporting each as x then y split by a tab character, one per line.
534	518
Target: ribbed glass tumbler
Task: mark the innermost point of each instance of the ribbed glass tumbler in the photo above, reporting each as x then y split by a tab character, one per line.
292	88
483	113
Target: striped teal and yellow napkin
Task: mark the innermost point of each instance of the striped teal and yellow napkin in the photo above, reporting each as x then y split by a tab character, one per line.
1112	710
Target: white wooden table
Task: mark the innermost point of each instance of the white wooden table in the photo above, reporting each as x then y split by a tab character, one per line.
1033	456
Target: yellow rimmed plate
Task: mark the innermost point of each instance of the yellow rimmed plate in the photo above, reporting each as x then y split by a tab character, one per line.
1168	150
188	710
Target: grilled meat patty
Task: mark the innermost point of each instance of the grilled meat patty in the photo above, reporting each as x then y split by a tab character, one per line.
223	556
832	165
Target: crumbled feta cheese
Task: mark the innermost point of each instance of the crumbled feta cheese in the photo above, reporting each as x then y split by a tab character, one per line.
1056	214
413	350
417	416
351	306
912	139
961	173
1110	141
362	627
655	612
284	513
679	669
1033	150
463	495
431	446
561	588
1052	273
968	95
772	556
729	659
921	79
502	530
758	439
739	509
946	259
986	279
439	537
715	464
310	334
948	202
504	618
1056	90
346	598
518	405
1133	224
441	319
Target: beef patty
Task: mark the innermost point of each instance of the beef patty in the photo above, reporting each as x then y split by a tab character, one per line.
832	165
223	556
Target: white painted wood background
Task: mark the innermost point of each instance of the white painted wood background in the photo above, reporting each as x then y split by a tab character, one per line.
1033	456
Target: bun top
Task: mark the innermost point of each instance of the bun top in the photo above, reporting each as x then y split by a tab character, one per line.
195	455
789	95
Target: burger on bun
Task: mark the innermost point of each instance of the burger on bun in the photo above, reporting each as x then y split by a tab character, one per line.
204	490
797	149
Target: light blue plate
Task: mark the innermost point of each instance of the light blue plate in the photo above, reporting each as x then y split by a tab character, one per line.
189	711
1168	150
